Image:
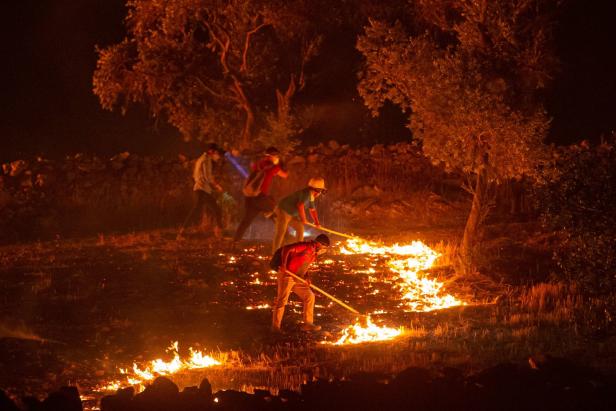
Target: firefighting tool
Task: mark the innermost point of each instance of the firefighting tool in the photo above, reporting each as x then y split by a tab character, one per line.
327	230
331	297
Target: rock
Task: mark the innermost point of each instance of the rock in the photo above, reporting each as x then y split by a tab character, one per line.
206	388
377	149
66	399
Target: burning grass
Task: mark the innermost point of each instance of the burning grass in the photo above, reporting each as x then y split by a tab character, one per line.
126	299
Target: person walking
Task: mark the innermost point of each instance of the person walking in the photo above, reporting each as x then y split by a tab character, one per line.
297	258
257	199
204	186
291	210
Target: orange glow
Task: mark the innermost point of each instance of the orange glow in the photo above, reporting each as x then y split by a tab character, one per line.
367	332
139	375
419	293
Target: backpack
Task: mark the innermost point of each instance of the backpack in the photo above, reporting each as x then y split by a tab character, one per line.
276	260
252	186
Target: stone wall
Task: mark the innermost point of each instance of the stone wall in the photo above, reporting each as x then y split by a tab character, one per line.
83	194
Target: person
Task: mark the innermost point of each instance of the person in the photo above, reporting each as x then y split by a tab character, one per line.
205	185
291	211
297	258
269	167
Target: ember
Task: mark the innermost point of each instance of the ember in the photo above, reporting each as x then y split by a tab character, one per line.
258	307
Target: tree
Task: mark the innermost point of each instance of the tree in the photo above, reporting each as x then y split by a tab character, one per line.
203	64
469	74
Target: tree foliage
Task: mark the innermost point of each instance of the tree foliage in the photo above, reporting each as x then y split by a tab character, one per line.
470	75
210	67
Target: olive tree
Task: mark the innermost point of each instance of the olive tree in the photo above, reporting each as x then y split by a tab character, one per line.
469	74
210	67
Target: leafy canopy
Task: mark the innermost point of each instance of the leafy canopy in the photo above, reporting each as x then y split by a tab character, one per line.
205	65
469	73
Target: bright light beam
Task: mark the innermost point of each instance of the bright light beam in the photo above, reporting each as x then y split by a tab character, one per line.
236	164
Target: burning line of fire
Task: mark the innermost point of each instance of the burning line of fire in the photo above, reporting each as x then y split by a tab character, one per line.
419	292
408	261
139	376
365	331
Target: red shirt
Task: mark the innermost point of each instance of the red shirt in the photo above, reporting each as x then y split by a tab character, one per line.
270	169
299	256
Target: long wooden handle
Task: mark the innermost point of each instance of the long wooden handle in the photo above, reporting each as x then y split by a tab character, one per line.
314	287
327	230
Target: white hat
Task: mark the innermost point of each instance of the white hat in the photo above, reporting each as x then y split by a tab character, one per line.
317	183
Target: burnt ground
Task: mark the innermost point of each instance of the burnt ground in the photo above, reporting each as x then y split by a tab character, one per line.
74	311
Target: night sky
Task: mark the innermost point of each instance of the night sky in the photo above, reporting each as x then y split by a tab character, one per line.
49	58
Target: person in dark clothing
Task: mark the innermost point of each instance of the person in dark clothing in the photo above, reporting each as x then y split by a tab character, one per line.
269	167
297	258
205	185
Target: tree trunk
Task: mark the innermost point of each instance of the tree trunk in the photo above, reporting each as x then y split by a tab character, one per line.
471	230
244	103
284	100
249	122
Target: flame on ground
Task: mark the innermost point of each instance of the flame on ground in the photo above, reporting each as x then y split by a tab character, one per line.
419	292
159	367
366	331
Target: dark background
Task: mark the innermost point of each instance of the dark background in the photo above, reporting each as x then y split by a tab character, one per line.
48	107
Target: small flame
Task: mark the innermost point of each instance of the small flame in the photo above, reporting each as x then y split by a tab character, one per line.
158	367
367	332
258	307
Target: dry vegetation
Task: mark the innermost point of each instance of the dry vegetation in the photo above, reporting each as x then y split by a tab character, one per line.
105	302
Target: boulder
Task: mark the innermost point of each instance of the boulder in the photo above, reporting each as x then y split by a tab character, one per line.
65	399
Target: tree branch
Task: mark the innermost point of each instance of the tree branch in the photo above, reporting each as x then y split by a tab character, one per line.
244	65
224	46
213	92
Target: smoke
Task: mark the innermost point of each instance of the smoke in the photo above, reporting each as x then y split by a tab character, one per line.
21	332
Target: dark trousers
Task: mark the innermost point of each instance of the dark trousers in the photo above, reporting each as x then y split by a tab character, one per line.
202	199
252	207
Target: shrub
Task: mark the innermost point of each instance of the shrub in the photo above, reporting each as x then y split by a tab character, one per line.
578	204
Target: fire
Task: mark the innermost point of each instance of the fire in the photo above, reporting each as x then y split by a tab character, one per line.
258	307
419	292
160	367
367	332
